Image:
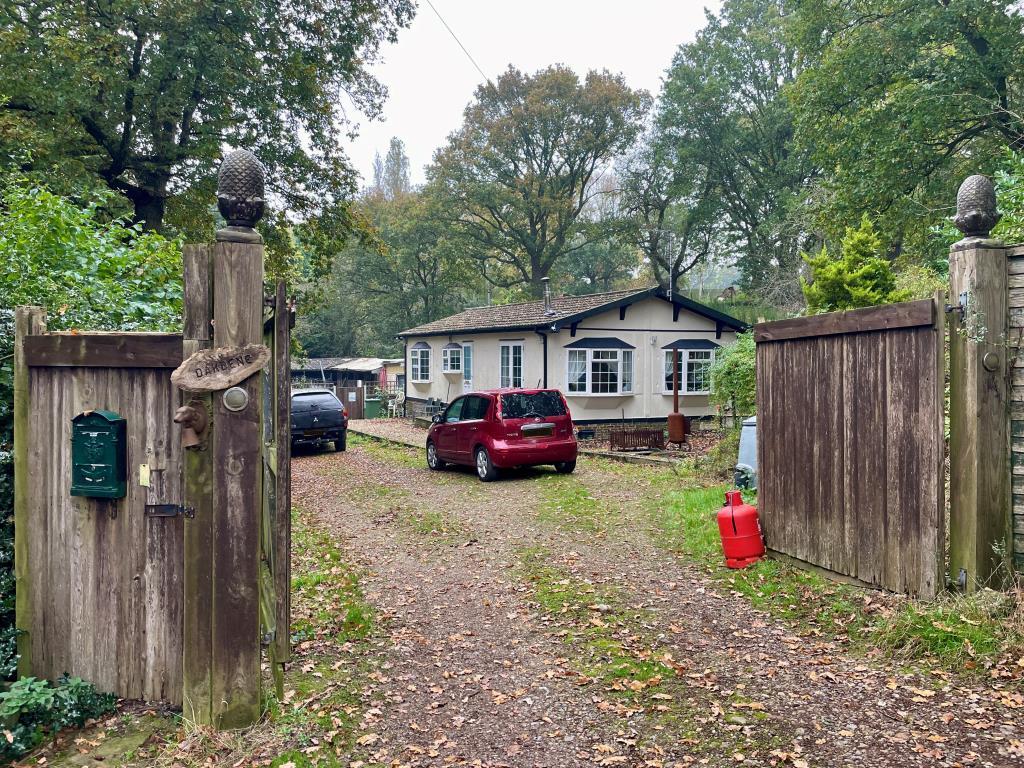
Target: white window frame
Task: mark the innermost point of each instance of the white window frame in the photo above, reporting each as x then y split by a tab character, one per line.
506	379
450	355
416	359
684	364
468	353
588	386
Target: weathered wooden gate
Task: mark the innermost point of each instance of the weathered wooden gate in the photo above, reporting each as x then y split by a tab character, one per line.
850	442
354	400
99	582
169	592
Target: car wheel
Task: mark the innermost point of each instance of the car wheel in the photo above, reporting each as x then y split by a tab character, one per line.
433	460
339	445
565	467
485	469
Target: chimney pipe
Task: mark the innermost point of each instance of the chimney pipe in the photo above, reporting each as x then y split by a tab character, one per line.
547	296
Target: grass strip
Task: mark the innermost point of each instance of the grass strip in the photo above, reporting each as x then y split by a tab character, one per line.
982	633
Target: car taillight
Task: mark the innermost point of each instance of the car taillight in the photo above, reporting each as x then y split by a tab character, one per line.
344	412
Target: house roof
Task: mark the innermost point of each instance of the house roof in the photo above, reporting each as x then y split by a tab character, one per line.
360	364
565	310
316	363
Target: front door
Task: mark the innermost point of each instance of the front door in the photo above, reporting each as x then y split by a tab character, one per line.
446	433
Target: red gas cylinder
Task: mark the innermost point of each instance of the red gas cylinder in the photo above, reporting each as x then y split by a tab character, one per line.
742	541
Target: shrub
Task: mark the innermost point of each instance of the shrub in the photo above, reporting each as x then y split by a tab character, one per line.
860	277
720	461
734	377
33	709
89	272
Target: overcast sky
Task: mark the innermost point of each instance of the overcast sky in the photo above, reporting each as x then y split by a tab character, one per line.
431	80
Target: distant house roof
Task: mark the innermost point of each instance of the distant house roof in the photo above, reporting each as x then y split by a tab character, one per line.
565	310
355	364
316	363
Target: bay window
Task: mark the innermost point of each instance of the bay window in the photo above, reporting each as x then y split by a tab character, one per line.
694	368
601	370
419	363
451	359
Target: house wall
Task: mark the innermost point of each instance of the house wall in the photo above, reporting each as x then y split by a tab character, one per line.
647	326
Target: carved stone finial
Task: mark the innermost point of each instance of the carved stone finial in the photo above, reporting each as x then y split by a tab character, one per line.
240	196
976	212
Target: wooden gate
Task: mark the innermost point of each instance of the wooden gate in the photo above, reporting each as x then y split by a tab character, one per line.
99	583
102	588
354	400
850	442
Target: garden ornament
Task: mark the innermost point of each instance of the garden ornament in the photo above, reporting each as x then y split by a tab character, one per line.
193	421
240	196
976	212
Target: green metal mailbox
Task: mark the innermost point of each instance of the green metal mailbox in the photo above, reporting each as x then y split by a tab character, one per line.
99	466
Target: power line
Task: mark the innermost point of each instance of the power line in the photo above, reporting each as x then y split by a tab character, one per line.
456	39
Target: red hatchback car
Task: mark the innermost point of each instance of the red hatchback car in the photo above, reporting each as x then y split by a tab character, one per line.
504	428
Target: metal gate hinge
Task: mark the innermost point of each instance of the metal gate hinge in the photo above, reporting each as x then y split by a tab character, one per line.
169	510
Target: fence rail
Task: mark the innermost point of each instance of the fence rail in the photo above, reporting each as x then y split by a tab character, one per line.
850	442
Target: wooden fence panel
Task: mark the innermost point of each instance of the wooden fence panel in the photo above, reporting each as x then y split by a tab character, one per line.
353	399
850	443
105	592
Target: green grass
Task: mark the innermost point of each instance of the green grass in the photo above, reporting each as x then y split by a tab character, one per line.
329	587
567	503
386	451
432	523
615	648
322	687
958	633
597	624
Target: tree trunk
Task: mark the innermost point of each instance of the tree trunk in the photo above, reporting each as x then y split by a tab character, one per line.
149	211
149	200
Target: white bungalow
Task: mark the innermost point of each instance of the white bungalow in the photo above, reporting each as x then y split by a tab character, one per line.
609	353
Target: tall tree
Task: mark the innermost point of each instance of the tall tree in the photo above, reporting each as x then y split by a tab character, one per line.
672	208
391	173
724	106
396	170
608	260
518	174
407	274
143	97
902	99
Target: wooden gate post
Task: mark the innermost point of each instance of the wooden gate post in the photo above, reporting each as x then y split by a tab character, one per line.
28	321
223	477
978	414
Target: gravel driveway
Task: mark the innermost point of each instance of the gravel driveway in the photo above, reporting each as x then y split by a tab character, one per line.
485	669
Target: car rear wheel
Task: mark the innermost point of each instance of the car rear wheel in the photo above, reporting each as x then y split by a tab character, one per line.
565	467
339	445
485	468
433	461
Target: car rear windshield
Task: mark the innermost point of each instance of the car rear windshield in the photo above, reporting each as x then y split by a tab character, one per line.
303	402
521	406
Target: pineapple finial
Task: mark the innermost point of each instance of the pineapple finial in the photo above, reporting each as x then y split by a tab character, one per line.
240	196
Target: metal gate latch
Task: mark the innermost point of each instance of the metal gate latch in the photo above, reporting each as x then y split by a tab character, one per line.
169	510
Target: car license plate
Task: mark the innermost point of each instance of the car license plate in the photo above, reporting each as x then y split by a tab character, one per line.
538	430
314	432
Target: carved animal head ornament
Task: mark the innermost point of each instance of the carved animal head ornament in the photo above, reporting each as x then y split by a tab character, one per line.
976	212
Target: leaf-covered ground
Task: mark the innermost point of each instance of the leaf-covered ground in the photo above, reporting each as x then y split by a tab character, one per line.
544	621
584	620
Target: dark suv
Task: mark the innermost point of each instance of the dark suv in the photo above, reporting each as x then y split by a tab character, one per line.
318	417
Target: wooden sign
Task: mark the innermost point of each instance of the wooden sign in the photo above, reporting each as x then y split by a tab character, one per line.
209	370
